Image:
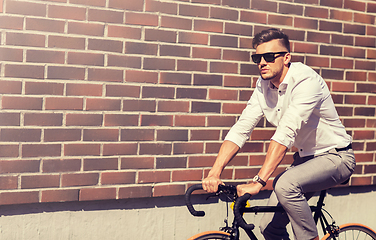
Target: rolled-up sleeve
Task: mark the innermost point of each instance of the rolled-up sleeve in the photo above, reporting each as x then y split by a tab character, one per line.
242	129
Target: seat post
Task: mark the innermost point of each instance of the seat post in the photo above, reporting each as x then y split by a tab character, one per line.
320	203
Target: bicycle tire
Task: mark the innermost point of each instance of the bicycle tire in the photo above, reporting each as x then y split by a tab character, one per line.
352	231
211	235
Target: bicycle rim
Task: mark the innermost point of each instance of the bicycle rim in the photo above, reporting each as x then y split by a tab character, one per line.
212	235
353	231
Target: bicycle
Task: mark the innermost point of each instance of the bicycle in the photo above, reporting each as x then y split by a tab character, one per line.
348	231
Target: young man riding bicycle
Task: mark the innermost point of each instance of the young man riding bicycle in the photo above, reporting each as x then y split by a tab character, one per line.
295	99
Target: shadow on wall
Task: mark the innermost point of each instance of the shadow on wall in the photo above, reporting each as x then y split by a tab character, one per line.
124	204
342	191
143	203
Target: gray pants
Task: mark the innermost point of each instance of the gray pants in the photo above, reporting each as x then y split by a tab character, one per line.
293	187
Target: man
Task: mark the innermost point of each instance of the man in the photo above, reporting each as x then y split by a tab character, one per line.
295	99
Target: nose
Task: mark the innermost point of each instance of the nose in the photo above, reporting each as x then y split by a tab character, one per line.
262	62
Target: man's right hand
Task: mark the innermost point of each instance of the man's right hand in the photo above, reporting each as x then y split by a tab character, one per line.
210	184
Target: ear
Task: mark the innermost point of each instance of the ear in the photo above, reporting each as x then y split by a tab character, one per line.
287	59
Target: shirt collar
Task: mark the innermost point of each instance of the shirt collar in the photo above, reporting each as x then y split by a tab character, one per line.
284	83
282	86
271	85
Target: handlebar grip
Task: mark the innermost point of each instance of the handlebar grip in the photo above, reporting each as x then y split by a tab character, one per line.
239	205
189	203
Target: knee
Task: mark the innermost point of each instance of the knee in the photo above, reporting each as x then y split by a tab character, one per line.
286	190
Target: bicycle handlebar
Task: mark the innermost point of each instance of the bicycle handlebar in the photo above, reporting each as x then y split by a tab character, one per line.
238	207
189	203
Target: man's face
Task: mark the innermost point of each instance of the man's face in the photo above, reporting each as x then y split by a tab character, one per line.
272	70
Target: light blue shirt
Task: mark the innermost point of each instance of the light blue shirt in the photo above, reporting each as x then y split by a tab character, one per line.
301	108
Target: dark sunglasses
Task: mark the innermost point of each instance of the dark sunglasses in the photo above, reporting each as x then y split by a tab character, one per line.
269	57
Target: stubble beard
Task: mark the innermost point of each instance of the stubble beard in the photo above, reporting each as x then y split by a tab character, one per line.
268	77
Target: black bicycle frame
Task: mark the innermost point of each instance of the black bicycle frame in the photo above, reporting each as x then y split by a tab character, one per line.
239	209
317	210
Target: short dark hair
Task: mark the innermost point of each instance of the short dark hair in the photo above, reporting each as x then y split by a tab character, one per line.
271	34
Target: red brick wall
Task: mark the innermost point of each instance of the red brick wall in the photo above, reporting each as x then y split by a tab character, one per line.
114	99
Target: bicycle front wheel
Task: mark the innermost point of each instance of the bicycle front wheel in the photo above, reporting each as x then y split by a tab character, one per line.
352	231
213	235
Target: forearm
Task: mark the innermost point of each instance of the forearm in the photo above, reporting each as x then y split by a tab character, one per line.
274	156
227	151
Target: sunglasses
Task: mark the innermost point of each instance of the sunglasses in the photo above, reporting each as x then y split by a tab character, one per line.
269	57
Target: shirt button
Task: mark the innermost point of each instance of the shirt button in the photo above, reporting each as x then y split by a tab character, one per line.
301	150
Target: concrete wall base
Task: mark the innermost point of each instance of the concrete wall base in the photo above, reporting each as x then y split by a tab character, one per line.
156	218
